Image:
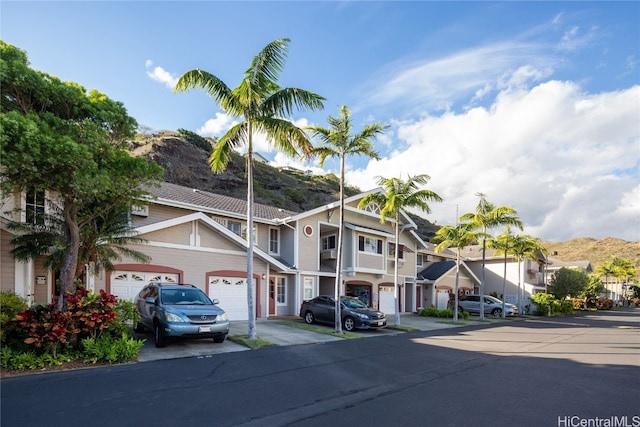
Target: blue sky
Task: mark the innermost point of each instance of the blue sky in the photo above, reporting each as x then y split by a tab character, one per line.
536	104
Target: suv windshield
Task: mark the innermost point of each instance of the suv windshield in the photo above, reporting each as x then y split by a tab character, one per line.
184	296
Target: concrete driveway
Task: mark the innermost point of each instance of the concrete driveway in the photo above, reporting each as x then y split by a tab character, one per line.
279	334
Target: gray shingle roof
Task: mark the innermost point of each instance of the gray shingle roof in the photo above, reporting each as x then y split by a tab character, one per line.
436	270
210	201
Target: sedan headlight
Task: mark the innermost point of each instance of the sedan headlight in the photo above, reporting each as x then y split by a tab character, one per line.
173	318
222	317
362	315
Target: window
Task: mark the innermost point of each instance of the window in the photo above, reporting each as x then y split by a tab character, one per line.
34	206
236	227
241	230
274	241
329	242
392	251
370	245
419	260
281	290
308	287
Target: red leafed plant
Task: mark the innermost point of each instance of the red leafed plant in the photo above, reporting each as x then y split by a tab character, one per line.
44	325
87	315
91	312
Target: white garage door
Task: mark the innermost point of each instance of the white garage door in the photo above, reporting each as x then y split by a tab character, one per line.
127	284
387	305
232	293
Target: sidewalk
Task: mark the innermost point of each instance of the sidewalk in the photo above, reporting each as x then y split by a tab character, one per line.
271	330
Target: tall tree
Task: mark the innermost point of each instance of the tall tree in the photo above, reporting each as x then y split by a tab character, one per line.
397	196
503	244
521	246
260	105
57	137
339	141
486	217
458	237
624	270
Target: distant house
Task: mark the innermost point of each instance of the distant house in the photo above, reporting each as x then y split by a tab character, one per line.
260	158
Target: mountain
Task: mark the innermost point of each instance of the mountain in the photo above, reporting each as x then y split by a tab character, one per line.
596	251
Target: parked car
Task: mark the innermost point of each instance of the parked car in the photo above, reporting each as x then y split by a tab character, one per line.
355	314
179	310
492	305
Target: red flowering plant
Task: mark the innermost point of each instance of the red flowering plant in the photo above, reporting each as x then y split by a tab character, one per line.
92	312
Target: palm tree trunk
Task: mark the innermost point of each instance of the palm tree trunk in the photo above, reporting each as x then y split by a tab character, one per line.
455	297
251	333
484	250
338	284
504	281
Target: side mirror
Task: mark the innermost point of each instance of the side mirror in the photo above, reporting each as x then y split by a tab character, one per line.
150	300
216	301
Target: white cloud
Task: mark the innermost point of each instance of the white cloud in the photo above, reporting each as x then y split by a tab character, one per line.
217	126
567	161
160	75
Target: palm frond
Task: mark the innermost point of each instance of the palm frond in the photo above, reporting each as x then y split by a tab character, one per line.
268	64
225	146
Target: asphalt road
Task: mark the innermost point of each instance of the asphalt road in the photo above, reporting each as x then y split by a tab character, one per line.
534	372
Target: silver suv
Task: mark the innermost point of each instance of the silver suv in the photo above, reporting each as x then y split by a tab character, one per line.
172	310
492	305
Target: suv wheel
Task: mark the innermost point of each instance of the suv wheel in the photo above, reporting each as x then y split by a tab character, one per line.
158	336
496	312
138	328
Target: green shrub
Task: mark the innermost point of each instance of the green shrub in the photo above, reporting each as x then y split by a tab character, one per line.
109	349
549	304
447	312
10	305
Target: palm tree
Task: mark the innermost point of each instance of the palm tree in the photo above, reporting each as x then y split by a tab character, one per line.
338	141
263	104
520	246
458	237
398	196
606	269
488	216
525	246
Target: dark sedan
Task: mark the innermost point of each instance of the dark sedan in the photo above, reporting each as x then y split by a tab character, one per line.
355	313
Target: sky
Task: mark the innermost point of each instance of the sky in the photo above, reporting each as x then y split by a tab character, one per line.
534	104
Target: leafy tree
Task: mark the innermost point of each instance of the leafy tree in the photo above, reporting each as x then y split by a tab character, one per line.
57	137
398	196
525	246
339	141
259	104
457	237
486	217
624	270
568	282
594	287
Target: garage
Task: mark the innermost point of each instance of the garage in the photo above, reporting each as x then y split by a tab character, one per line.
127	284
232	294
387	301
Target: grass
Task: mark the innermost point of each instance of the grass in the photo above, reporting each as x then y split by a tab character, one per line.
255	344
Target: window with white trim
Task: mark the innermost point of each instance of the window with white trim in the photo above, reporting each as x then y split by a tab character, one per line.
370	245
419	260
235	227
392	251
329	242
34	206
281	290
308	287
274	241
